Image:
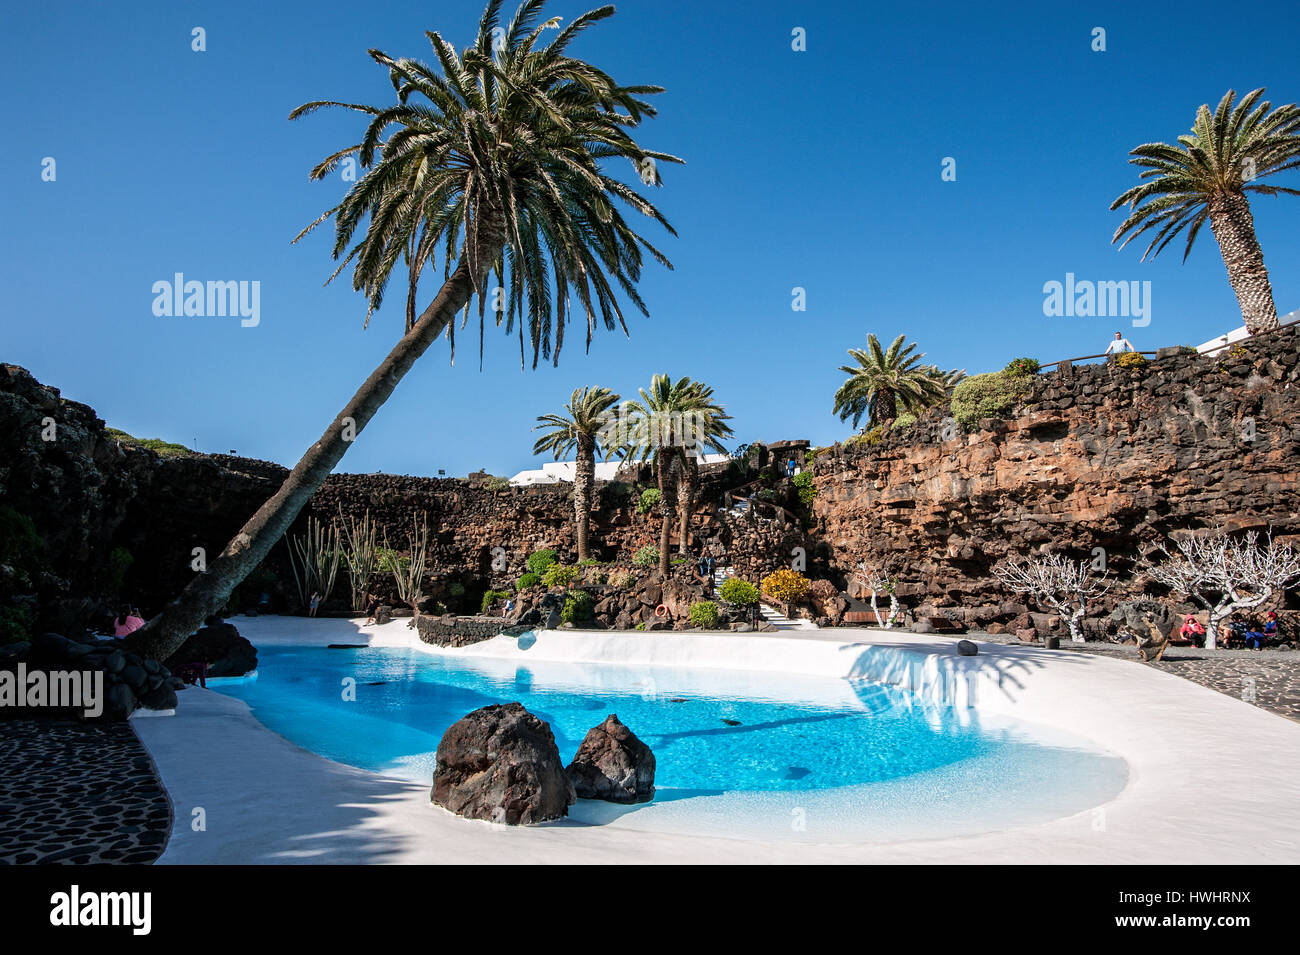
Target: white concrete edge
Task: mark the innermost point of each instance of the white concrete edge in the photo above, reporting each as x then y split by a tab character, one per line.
1209	774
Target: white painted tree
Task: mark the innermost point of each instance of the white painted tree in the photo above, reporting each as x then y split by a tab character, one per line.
877	580
1055	581
1225	574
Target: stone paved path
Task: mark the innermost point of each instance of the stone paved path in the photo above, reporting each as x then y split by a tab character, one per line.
78	793
1267	678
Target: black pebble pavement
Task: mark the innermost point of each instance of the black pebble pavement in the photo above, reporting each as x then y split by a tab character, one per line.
78	793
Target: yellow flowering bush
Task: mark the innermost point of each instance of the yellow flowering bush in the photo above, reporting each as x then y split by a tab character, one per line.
787	586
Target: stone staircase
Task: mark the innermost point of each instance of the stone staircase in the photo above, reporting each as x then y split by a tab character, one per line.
770	614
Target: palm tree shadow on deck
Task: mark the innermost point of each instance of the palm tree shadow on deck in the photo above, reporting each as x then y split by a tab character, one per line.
1008	668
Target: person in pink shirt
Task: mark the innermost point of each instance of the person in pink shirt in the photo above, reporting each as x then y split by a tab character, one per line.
127	622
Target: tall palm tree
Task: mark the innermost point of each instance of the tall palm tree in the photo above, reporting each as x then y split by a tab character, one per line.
659	427
495	161
882	379
579	427
1207	176
708	428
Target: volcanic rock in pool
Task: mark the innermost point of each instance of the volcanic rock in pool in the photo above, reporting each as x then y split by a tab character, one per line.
500	763
613	764
221	647
731	722
797	772
967	648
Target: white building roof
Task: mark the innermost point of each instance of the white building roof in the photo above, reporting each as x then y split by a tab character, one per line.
553	472
1237	334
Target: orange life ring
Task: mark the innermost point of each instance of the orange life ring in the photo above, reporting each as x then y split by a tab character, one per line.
661	611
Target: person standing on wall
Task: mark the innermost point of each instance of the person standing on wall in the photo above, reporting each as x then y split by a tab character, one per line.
1119	346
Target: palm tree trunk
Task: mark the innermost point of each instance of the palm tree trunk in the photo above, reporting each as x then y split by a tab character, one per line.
883	408
208	591
663	472
584	480
686	500
1234	230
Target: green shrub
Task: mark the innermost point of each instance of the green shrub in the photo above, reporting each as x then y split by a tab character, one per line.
119	562
903	421
528	580
640	626
558	575
739	592
160	447
1131	359
20	544
868	439
1022	366
704	613
539	560
649	500
803	482
577	607
16	621
987	396
387	560
455	589
498	484
489	598
647	556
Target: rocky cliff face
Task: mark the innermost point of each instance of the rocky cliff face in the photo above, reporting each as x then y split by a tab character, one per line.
87	494
1100	457
1096	457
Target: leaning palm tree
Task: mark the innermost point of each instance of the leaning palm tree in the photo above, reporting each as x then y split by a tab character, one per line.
579	427
881	380
495	161
708	428
658	429
1207	176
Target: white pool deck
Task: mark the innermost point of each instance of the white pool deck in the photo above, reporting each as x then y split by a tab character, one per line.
1212	779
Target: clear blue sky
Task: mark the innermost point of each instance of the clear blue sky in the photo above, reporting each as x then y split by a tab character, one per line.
818	169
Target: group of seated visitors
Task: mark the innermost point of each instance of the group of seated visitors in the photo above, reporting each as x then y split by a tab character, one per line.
1234	632
1249	635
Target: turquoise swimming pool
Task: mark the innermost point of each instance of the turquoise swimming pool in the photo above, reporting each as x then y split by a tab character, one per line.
735	750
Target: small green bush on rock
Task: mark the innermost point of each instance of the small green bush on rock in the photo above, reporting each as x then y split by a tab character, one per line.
539	560
803	482
988	396
577	607
647	556
528	580
903	421
704	613
739	592
649	500
558	575
490	597
1022	366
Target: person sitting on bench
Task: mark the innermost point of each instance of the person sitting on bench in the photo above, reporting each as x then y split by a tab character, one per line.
1192	631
